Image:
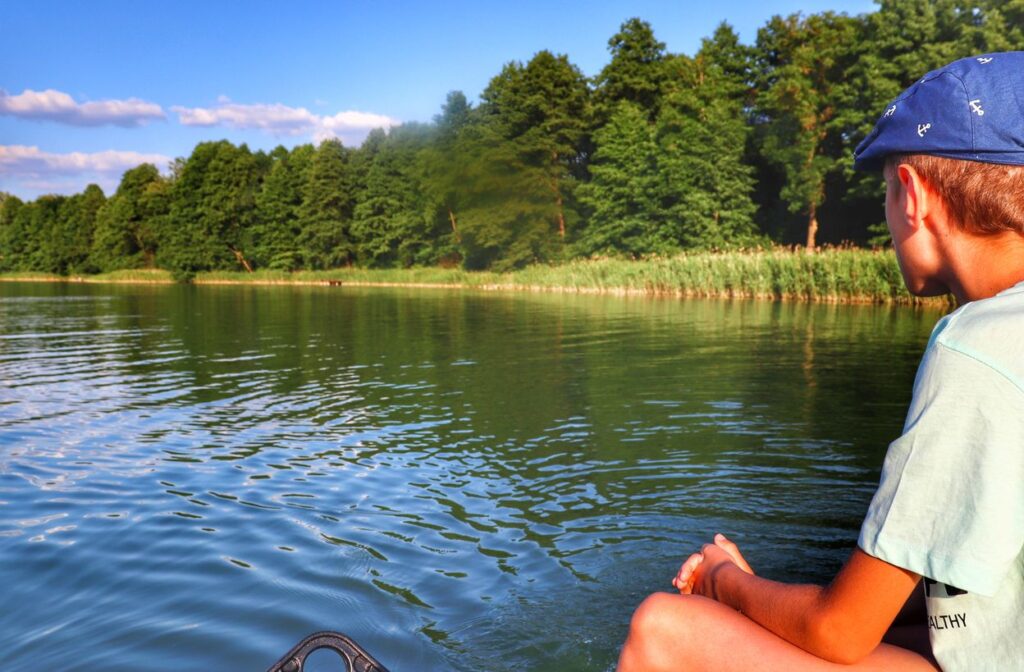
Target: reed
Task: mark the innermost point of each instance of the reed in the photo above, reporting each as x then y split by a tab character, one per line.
137	275
846	275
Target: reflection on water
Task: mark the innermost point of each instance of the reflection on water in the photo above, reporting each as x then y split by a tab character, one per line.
198	477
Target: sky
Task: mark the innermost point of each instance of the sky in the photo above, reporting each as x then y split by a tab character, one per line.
91	89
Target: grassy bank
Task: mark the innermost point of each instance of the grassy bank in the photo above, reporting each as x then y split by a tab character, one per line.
834	275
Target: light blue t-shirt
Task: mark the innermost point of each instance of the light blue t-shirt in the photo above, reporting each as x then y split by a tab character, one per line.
950	505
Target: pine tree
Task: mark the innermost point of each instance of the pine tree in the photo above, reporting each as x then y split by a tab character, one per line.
276	226
805	97
213	209
442	168
524	156
390	225
325	216
702	132
636	72
623	194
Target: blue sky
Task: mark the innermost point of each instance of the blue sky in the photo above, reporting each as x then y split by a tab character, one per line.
88	90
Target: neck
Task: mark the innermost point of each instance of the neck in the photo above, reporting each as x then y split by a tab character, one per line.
982	266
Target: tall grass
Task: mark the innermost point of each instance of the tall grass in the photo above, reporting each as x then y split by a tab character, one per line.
838	274
834	275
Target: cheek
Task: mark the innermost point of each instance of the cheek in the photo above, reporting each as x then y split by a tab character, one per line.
890	206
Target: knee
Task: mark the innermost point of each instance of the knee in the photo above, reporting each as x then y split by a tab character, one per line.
655	614
658	632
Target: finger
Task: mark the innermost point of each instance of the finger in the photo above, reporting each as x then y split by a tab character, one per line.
734	552
691	564
683	581
688	567
684	587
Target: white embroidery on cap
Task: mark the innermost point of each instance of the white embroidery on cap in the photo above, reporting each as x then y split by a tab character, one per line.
984	60
922	129
976	107
889	112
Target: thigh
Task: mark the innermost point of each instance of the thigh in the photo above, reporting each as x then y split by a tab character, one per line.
688	632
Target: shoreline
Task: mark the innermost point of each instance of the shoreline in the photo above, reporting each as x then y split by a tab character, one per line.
836	299
834	276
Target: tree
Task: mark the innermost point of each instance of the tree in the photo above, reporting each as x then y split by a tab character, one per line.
636	72
76	224
277	225
805	101
390	223
325	216
525	154
213	208
623	194
702	131
11	238
735	63
443	166
29	232
127	225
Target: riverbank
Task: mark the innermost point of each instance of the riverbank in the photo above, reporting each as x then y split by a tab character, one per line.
829	275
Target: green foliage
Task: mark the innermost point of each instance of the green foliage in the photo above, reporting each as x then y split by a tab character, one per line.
276	225
30	234
390	224
636	72
806	95
128	224
325	215
702	133
213	203
12	238
443	168
72	245
524	155
623	196
659	153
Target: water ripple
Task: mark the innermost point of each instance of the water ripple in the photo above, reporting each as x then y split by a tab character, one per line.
197	477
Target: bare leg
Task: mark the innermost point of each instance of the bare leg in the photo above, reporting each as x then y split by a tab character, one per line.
687	632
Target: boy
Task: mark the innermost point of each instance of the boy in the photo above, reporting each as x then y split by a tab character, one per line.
950	505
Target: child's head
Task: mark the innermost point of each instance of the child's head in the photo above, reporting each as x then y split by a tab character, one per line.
962	128
952	150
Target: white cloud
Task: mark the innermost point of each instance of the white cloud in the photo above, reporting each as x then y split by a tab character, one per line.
20	159
278	119
58	106
29	171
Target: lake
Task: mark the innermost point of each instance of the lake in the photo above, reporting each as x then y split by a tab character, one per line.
197	477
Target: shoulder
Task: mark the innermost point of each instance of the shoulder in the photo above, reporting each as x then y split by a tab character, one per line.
989	331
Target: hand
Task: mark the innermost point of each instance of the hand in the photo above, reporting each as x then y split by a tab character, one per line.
699	567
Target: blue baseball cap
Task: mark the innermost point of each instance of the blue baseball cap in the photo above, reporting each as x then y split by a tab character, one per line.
971	109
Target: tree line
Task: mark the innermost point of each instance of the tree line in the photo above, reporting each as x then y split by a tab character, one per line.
738	145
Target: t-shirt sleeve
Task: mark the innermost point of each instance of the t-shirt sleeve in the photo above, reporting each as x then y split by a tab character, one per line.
950	505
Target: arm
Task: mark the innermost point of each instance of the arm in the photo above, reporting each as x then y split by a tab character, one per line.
842	622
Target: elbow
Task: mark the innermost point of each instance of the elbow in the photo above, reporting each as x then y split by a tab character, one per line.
837	641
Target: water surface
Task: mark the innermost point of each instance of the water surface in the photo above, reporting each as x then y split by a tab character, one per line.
197	477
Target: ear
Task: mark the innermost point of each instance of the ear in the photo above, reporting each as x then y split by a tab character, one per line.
924	207
920	199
